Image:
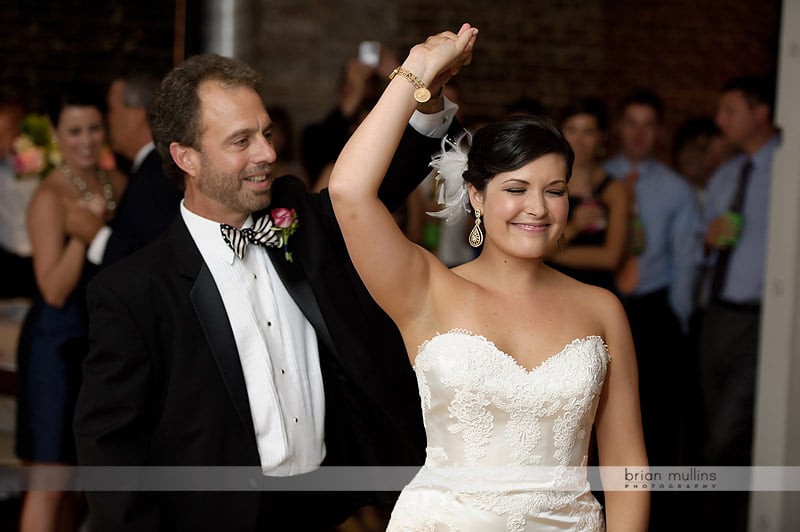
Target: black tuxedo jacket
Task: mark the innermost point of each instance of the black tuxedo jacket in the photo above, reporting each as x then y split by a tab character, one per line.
145	210
163	384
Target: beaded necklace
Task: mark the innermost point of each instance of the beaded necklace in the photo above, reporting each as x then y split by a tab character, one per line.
80	184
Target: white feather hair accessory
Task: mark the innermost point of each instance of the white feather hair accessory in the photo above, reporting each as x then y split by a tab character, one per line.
450	188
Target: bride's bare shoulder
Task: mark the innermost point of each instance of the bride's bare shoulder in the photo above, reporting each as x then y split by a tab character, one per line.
597	300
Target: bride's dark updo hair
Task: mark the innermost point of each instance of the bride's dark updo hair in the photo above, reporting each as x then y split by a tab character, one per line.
512	143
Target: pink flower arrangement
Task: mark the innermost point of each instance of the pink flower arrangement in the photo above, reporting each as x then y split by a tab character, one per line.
35	151
286	223
30	160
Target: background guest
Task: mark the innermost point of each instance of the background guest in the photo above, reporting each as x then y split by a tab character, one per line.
735	222
596	234
150	201
657	278
15	194
359	88
53	339
698	148
283	140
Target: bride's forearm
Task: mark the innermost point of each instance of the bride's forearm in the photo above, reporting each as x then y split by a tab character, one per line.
627	511
363	162
365	158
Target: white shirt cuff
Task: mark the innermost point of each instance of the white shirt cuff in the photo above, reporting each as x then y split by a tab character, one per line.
98	246
434	125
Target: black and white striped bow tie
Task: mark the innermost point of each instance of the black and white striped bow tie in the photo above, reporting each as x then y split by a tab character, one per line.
263	233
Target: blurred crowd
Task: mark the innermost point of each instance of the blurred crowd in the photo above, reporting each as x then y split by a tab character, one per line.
681	242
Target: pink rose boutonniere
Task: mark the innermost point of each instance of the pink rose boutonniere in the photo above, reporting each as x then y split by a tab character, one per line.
286	223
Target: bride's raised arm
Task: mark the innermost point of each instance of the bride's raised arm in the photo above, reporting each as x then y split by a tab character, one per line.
395	270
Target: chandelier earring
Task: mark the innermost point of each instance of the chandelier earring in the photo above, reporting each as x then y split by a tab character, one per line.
476	235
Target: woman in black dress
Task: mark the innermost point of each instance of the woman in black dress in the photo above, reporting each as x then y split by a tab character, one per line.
597	230
53	339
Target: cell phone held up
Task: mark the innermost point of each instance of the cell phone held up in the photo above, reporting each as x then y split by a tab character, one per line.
369	53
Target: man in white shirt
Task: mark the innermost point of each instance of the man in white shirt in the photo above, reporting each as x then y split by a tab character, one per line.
15	194
207	351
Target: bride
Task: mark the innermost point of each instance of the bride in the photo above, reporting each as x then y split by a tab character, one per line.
516	363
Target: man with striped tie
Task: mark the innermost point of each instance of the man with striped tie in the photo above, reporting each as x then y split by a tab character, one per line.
735	224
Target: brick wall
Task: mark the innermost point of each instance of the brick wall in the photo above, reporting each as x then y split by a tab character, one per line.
44	43
686	50
551	50
548	49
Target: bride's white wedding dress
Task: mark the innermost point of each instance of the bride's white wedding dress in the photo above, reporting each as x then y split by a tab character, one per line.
507	447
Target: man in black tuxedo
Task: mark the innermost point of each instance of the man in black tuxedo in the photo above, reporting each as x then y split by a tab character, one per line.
150	201
277	357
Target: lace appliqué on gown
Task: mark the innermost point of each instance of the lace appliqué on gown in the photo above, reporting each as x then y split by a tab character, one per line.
507	447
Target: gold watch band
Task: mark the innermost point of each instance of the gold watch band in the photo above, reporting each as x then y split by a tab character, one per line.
421	93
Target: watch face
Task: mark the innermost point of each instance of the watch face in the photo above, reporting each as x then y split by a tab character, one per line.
422	95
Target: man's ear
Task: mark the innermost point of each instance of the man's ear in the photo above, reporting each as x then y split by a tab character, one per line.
185	157
762	112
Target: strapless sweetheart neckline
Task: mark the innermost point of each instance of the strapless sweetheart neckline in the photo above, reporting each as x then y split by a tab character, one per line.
421	351
507	447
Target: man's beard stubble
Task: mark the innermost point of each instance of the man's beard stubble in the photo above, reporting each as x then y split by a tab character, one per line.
228	190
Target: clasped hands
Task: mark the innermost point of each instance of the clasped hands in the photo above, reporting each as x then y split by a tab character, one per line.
83	219
588	215
442	54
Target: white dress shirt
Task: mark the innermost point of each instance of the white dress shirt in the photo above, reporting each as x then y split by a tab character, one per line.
278	350
15	195
434	125
141	155
277	345
97	249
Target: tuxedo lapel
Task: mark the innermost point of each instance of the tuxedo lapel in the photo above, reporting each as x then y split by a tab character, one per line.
299	289
210	311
